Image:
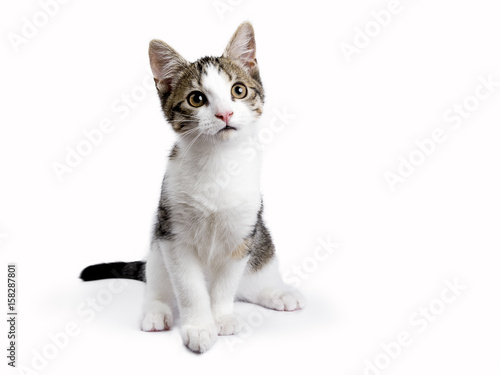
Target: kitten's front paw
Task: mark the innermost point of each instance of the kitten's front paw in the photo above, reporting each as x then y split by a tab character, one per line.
229	324
199	338
157	317
282	300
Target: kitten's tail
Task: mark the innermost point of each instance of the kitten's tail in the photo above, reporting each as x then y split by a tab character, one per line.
117	270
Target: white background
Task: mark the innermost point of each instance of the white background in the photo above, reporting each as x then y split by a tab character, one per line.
323	178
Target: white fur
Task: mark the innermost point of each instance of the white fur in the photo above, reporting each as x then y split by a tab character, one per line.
198	265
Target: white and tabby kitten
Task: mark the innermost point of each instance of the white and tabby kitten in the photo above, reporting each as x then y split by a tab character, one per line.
210	246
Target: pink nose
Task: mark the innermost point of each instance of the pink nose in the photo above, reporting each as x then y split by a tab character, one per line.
224	116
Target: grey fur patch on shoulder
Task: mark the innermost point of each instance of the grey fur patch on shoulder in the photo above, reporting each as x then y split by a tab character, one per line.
262	249
163	227
174	152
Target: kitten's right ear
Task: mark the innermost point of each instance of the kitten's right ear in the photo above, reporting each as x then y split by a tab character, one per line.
166	64
241	47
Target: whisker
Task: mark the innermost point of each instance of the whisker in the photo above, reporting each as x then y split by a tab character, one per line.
187	132
190	145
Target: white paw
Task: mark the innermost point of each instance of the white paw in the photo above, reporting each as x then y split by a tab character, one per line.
157	317
228	324
282	300
199	338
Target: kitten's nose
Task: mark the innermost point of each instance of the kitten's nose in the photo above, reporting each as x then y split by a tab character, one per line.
224	116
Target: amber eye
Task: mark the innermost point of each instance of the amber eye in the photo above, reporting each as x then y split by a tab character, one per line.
239	91
197	99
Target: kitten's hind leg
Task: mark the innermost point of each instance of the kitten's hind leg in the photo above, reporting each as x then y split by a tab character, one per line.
159	299
265	287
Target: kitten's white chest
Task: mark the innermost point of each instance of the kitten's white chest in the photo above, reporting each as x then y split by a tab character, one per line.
216	201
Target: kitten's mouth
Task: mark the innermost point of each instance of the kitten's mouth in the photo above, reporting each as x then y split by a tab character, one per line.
226	128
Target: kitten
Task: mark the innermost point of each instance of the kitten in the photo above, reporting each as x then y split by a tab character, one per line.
210	245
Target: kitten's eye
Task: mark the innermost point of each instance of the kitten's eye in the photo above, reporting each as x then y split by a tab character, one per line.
197	99
239	91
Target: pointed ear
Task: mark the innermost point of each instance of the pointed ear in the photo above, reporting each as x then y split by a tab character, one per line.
241	47
166	64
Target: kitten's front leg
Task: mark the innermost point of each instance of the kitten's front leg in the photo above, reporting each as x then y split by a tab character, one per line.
198	329
225	281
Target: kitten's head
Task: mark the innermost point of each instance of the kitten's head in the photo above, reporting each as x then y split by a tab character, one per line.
216	97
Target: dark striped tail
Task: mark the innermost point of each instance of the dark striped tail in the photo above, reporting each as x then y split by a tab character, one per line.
117	270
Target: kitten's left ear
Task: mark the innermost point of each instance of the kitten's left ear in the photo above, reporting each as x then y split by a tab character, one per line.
241	47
